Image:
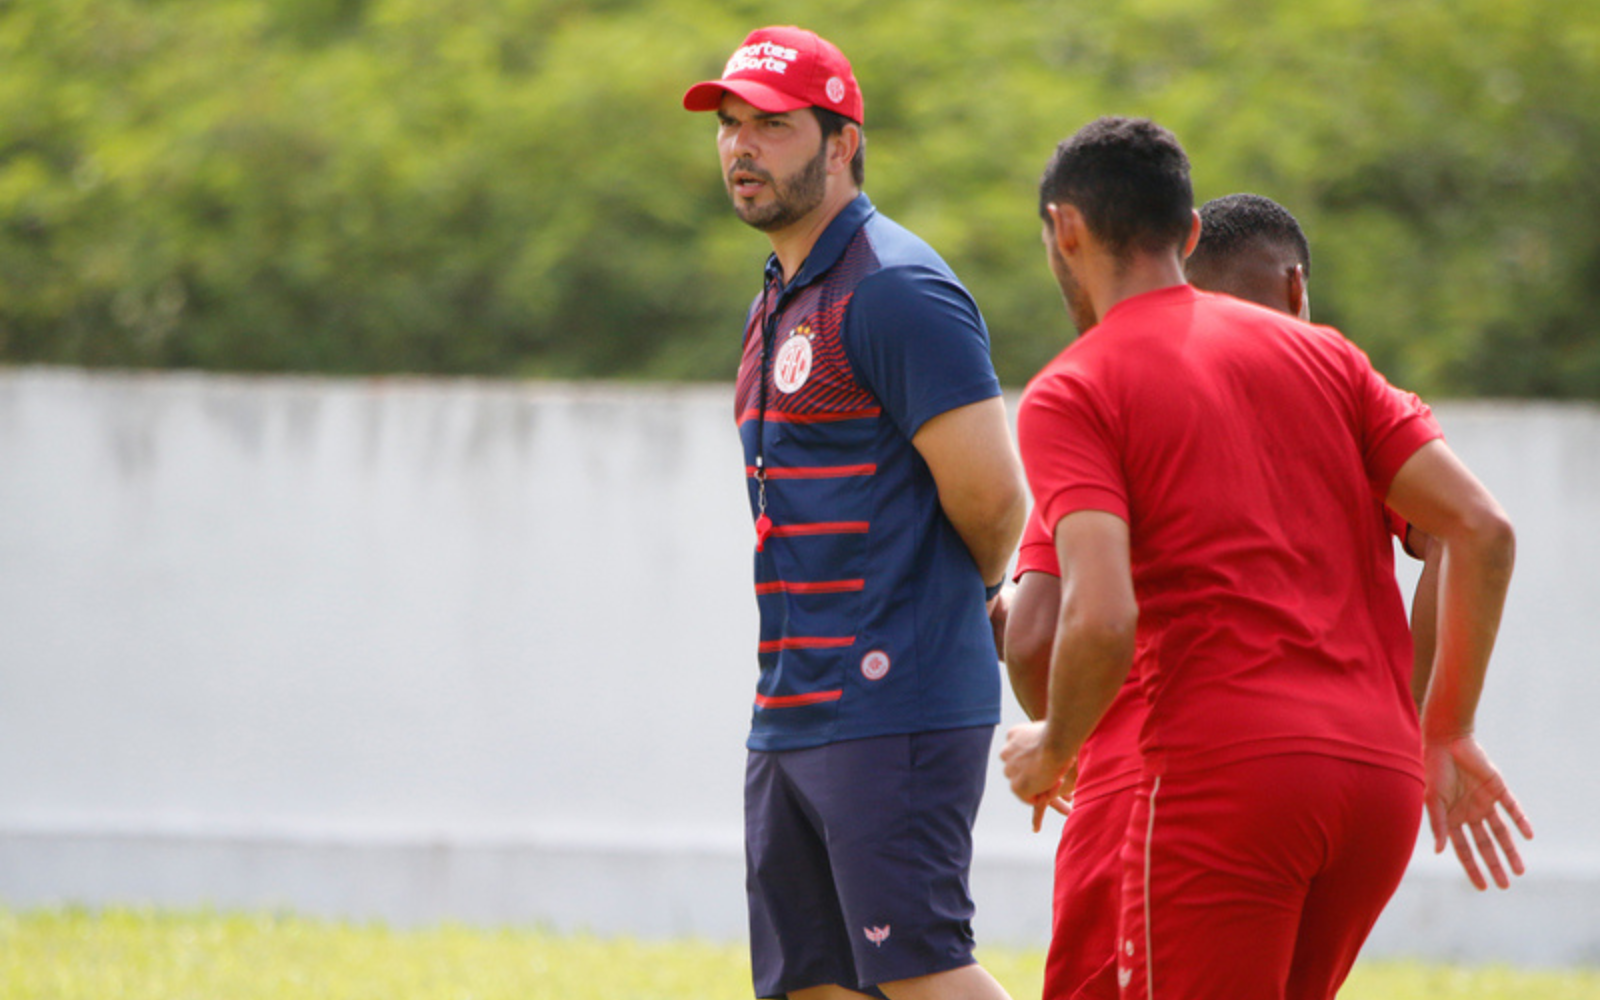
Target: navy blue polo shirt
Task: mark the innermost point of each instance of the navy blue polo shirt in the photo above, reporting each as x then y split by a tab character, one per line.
872	609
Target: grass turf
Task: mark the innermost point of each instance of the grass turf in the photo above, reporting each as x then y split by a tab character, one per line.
140	955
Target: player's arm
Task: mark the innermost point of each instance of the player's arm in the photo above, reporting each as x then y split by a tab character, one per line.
1091	658
1030	637
979	477
1437	493
1424	611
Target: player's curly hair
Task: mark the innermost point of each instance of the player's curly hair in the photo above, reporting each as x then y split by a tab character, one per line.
1130	179
1236	221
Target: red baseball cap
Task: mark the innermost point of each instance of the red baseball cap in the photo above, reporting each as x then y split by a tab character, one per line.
781	69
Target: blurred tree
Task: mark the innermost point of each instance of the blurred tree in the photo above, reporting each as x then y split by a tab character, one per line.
509	186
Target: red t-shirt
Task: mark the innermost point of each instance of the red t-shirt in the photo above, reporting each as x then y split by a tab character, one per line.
1109	759
1245	449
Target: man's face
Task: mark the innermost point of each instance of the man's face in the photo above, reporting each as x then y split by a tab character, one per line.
1078	305
774	165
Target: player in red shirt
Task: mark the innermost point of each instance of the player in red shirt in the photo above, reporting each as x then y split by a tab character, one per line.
1208	469
1251	248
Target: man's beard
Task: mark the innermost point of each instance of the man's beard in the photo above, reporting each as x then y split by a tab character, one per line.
1079	308
791	201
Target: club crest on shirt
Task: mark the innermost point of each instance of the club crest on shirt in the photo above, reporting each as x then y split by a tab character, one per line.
877	935
792	366
875	665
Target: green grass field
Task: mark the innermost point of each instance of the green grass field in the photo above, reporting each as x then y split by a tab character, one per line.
126	955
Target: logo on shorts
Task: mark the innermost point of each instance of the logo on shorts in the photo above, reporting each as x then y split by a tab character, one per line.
793	364
877	935
875	667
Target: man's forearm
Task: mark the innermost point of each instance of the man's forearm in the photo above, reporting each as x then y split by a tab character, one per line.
979	478
990	525
1088	668
1031	684
1030	640
1425	620
1474	577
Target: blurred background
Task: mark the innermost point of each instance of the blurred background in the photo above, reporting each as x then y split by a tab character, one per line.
373	540
510	187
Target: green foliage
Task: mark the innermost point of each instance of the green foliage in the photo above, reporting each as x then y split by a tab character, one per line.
510	186
132	955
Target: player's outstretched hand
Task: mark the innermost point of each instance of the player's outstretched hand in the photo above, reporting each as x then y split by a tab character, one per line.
1465	796
1037	777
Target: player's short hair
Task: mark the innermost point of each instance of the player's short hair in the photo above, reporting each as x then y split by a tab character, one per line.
1236	222
832	123
1130	179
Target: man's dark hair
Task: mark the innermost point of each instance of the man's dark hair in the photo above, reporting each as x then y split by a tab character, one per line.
1236	221
833	123
1130	179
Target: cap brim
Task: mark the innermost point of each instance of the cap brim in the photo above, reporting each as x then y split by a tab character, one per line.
708	96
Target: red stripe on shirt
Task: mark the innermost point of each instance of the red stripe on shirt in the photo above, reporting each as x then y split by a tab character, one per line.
820	587
816	471
819	528
806	642
797	700
777	417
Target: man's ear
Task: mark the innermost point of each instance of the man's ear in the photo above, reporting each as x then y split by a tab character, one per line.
843	146
1299	294
1194	235
1067	227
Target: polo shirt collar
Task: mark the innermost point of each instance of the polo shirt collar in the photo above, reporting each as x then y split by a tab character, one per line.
830	246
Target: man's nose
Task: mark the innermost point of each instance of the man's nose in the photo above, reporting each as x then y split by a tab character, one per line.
742	143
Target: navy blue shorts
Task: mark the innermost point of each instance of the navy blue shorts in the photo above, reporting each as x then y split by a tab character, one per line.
856	859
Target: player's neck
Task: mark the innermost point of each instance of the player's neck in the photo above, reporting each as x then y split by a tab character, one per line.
792	244
1134	275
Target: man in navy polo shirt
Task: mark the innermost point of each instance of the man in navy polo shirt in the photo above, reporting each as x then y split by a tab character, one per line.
886	497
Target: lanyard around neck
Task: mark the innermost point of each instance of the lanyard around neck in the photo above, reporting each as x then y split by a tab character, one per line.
769	325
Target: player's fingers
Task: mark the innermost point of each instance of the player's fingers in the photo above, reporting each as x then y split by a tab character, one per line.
1016	768
1436	823
1010	749
1019	788
1509	803
1038	815
1508	845
1061	805
1491	857
1469	863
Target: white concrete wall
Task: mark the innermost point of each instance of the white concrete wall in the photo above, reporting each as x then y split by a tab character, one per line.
425	650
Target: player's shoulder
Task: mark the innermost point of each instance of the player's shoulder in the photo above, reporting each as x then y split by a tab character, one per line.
1060	377
896	248
901	281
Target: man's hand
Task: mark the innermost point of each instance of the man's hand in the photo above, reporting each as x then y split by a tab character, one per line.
1463	791
999	614
1037	775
